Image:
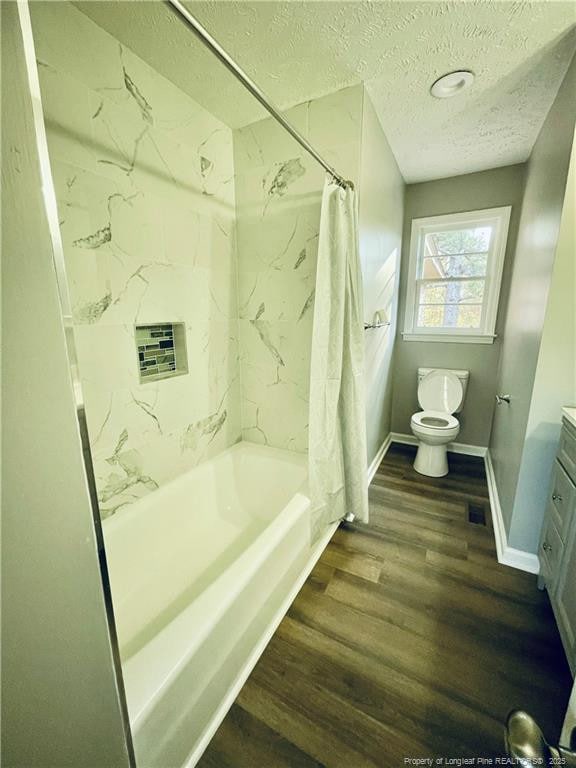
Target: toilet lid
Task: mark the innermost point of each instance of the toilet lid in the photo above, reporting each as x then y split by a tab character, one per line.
440	391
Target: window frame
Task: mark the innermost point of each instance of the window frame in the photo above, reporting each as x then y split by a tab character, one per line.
499	218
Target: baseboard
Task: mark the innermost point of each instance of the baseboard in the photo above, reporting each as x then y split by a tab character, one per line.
258	650
378	458
463	448
507	555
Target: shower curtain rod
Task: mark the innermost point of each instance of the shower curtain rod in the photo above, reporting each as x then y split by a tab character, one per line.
206	38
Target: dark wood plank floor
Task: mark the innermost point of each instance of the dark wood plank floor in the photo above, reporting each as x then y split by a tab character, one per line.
407	640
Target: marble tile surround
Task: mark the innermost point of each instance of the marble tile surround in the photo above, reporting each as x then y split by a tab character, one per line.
145	189
278	197
167	216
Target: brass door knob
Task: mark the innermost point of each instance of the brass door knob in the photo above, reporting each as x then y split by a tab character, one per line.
526	743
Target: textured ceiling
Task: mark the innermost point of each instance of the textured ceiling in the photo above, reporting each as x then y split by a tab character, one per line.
296	51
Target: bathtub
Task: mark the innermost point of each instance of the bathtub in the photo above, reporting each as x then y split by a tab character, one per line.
202	571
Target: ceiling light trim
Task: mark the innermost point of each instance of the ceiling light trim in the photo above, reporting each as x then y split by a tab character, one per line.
452	83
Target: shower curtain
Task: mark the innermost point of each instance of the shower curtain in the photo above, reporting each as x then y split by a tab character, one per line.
337	424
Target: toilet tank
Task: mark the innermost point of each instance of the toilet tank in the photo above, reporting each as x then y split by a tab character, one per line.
463	376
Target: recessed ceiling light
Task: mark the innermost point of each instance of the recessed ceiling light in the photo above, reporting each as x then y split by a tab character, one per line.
452	84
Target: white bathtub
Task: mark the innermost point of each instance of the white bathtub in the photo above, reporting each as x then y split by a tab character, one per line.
202	571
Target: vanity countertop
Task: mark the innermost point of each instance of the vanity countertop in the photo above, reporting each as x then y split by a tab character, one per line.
570	415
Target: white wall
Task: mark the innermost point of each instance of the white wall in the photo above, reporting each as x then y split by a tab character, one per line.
60	703
554	382
381	208
533	264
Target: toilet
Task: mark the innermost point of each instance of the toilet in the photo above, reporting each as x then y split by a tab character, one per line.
441	394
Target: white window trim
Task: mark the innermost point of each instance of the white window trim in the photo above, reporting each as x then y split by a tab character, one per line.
497	217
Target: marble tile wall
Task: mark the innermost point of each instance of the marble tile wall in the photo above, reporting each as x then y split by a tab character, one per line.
144	181
278	196
167	216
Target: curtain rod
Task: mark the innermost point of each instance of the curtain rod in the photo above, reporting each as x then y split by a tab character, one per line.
206	38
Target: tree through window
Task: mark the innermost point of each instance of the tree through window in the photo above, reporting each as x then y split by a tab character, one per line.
456	267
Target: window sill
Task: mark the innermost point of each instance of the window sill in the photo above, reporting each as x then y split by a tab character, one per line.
450	338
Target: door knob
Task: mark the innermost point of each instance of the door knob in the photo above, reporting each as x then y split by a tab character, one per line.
546	547
525	743
503	399
556	497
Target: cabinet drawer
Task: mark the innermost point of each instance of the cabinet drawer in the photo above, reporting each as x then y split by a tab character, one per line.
551	549
567	450
562	498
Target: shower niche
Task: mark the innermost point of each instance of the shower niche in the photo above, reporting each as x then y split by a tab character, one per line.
161	350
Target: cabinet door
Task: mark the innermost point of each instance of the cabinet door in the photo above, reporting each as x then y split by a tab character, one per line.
565	599
551	550
562	496
567	449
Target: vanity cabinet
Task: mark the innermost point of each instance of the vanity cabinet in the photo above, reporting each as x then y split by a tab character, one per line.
557	551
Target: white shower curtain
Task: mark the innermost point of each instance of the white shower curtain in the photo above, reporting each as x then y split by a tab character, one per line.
337	424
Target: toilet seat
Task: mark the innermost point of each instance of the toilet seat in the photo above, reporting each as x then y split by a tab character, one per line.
437	421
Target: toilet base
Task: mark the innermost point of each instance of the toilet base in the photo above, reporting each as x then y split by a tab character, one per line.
431	460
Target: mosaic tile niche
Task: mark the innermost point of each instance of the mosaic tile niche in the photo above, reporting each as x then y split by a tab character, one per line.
161	351
144	182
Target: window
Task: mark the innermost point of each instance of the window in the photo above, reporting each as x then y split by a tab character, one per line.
454	276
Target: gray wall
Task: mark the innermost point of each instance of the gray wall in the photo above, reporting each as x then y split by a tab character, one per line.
554	383
538	233
380	222
60	704
474	191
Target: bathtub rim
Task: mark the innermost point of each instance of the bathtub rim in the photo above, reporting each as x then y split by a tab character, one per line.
258	650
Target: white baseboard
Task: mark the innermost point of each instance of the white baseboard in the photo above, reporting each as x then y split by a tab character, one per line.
258	650
378	458
507	555
467	450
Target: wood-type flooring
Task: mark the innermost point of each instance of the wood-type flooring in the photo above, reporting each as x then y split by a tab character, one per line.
408	640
